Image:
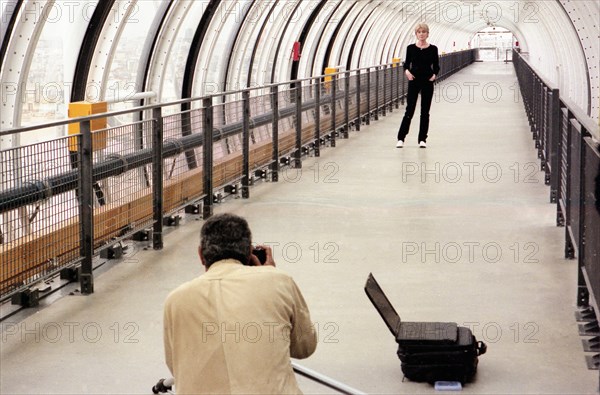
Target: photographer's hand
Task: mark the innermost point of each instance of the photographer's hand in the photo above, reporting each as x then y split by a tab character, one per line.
270	261
254	261
269	252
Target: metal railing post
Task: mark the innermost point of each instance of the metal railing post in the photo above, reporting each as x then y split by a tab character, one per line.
392	86
318	87
157	178
583	293
385	103
334	81
246	144
346	104
86	209
533	122
569	247
275	133
398	69
391	100
368	114
358	103
377	93
298	153
207	153
554	145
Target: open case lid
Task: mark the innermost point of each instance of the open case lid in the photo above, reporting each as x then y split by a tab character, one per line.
408	332
383	305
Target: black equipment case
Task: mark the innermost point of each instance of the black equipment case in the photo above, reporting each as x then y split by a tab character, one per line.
429	351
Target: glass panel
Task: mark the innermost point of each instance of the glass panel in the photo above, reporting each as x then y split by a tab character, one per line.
273	29
123	79
174	70
49	81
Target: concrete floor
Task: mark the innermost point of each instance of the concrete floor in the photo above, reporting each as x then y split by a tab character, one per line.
461	231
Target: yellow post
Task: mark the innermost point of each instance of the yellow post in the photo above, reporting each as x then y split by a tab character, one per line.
328	76
396	62
82	109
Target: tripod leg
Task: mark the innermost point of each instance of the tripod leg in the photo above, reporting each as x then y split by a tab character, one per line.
165	385
327	381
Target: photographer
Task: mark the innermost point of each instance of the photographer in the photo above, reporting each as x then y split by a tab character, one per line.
234	328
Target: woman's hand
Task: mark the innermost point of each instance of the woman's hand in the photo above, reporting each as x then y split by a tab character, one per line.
432	78
409	75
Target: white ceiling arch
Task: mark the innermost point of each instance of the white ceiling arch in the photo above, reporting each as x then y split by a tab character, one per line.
560	38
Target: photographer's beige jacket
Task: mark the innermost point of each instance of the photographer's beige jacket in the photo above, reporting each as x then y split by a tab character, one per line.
234	329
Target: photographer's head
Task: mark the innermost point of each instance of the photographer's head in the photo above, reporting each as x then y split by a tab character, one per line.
225	236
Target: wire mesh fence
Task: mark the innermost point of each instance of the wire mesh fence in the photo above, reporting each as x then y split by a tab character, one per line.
38	223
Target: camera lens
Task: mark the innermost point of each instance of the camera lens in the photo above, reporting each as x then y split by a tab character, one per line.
261	254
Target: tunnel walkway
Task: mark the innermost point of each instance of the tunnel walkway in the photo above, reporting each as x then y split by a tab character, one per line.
461	231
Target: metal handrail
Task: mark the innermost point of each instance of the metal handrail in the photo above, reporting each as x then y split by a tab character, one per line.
591	125
149	107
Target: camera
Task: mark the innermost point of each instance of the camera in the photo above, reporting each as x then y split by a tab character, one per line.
261	254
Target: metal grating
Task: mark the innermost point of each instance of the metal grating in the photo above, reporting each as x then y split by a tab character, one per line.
41	237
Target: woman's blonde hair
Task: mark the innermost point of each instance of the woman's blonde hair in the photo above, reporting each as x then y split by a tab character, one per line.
422	26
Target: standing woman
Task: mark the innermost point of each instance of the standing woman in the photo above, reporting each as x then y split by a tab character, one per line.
421	67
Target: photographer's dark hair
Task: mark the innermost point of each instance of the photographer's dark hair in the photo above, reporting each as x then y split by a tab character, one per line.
225	236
